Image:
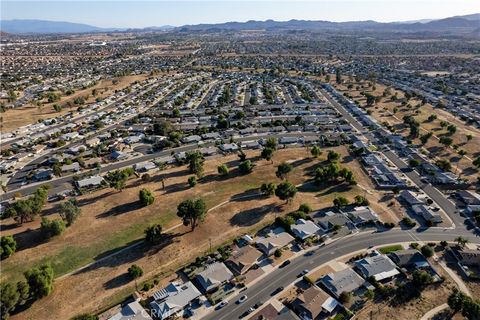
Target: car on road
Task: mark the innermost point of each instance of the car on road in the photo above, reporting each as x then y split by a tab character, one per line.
222	304
304	272
309	253
285	263
278	290
242	299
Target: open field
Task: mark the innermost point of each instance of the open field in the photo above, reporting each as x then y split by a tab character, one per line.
28	114
392	113
111	220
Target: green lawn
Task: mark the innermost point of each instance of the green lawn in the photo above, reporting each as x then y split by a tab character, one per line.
391	248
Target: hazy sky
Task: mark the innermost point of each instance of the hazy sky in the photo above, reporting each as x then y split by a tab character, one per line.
111	13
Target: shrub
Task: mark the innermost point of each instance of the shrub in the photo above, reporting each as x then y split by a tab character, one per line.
345	297
192	181
146	197
305	207
277	253
427	251
52	228
8	246
135	271
222	170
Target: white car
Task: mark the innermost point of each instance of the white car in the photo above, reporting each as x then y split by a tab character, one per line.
242	299
222	304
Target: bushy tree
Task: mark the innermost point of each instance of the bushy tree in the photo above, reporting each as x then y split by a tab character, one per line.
340	202
52	228
8	299
267	154
271	143
222	170
192	212
153	233
70	211
146	197
268	188
118	179
286	191
333	156
283	170
8	246
40	281
245	167
192	181
361	201
305	207
135	271
195	163
427	251
315	151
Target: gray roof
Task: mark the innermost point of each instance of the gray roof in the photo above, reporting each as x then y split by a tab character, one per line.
214	275
378	266
342	281
405	258
173	299
132	311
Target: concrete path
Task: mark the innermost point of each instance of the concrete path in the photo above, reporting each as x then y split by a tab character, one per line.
430	314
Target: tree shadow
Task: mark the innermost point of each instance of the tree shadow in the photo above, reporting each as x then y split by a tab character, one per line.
246	195
84	202
29	238
118	281
250	217
121	209
339	188
176	187
300	162
130	253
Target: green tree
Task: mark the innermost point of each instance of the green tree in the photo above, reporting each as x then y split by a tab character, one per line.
345	297
421	279
427	251
195	163
268	188
8	246
361	201
40	281
23	290
461	241
118	179
283	170
146	197
222	170
52	228
305	207
267	154
70	211
271	143
425	137
286	191
333	156
245	167
340	202
135	271
192	212
414	163
446	141
315	151
192	181
9	297
153	233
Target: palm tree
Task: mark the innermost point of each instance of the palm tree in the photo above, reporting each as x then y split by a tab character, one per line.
461	241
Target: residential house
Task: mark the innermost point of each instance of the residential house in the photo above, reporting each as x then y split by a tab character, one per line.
330	220
471	199
229	147
277	239
213	276
170	301
144	166
410	197
304	229
378	266
362	215
243	259
314	303
346	280
90	182
41	175
118	155
74	167
427	213
469	257
132	311
409	259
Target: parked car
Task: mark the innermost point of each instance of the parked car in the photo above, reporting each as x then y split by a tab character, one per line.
222	304
278	290
285	263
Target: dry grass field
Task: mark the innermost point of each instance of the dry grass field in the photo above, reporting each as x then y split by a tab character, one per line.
28	114
111	220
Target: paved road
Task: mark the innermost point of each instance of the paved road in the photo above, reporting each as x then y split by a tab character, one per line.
261	291
29	189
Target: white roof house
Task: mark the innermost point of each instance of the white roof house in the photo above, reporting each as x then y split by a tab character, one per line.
173	299
276	240
92	181
304	229
132	311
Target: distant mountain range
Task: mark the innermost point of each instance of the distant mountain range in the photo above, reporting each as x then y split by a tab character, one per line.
462	24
